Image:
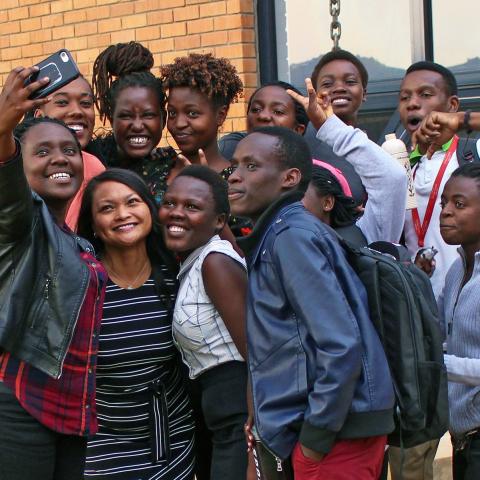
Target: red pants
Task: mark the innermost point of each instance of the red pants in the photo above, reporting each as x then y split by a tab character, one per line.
359	459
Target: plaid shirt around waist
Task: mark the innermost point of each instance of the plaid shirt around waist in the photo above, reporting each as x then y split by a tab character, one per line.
67	404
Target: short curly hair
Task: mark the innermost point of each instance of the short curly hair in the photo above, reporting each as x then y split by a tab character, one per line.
215	77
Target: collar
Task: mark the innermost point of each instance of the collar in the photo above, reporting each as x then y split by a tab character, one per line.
248	244
415	156
188	262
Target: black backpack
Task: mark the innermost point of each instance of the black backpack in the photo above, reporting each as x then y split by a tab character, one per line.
404	312
467	151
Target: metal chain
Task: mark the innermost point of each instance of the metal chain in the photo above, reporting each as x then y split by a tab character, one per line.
335	26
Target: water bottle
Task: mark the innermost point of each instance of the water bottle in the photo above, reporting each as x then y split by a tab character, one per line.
397	149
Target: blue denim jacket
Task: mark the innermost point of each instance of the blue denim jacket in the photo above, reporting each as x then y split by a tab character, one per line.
318	370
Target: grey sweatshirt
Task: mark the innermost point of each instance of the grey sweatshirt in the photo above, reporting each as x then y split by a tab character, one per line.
383	177
460	311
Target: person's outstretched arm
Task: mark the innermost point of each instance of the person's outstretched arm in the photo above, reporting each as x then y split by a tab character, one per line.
383	177
438	128
15	195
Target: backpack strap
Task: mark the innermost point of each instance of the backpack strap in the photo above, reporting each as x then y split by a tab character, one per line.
467	150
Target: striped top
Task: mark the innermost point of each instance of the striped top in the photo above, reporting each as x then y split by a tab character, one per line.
144	416
199	331
460	309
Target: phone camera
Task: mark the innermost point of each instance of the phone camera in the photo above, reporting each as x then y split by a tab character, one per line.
64	57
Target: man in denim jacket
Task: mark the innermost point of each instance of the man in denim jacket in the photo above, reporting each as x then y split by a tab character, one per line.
320	381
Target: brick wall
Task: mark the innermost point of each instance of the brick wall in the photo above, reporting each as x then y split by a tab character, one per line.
30	30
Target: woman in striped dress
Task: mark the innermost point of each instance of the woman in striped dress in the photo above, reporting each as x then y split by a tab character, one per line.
145	421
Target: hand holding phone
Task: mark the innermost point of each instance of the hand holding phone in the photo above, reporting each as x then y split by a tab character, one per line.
15	98
59	68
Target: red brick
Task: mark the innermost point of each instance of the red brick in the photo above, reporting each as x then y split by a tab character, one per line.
39	10
187	43
76	43
38	36
159	18
51	21
111	25
147	5
18	13
63	32
61	6
227	22
123	36
19	39
12	53
32	50
211	9
102	40
98	13
75	16
53	46
173	30
86	28
122	9
240	6
242	35
30	24
134	21
200	26
163	45
185	13
214	38
10	27
148	33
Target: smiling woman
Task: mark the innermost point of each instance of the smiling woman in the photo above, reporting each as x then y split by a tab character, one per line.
51	290
73	104
139	380
209	318
131	98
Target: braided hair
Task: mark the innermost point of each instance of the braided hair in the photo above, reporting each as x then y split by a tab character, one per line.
121	66
22	128
343	213
215	77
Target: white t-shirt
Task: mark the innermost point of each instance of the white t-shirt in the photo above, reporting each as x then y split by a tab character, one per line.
425	174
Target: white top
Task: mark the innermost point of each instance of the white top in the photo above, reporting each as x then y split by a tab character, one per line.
199	331
382	176
425	173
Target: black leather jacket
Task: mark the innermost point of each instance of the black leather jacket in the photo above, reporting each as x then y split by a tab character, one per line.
43	280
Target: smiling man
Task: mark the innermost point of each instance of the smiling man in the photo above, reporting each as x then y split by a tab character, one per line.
319	377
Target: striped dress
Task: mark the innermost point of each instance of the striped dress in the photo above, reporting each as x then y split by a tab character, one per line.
145	422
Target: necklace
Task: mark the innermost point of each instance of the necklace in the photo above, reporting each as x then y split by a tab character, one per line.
129	285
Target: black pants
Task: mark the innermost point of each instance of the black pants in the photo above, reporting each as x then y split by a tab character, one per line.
30	451
220	405
466	462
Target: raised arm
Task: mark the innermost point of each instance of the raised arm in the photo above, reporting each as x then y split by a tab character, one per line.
14	103
383	177
438	128
15	196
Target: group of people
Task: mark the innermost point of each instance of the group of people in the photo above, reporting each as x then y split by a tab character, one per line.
170	313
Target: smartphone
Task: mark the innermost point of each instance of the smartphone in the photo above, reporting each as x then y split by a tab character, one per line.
60	68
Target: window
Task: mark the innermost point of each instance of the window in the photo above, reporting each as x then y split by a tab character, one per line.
387	35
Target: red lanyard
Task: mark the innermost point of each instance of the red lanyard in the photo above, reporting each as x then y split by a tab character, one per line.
421	228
